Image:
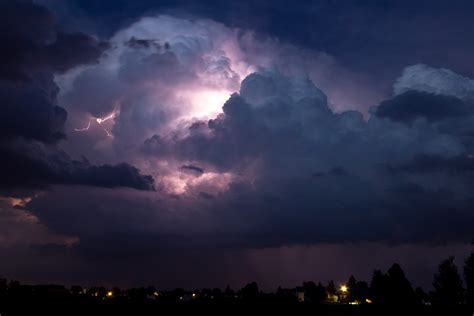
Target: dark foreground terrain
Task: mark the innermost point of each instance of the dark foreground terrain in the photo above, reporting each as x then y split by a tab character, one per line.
87	306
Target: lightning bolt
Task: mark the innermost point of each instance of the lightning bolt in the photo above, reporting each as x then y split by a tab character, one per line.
99	120
108	133
85	128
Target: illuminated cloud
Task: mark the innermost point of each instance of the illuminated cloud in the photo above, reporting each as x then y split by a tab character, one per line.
436	81
241	132
222	139
279	168
164	71
289	154
32	125
20	227
159	71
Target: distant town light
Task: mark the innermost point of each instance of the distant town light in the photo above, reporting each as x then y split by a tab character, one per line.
194	295
109	293
368	301
343	288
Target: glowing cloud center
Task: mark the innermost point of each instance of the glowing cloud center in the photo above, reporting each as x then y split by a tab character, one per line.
211	182
205	103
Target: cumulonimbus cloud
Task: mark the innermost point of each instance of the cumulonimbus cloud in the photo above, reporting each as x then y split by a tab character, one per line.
293	171
247	150
277	133
32	121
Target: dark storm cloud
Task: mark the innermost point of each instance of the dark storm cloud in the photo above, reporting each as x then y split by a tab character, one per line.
194	169
32	43
411	105
335	172
28	112
35	166
72	49
244	130
304	173
32	122
462	165
142	43
31	52
377	38
322	176
278	167
112	176
26	28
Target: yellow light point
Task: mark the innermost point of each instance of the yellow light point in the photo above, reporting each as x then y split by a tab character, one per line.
368	301
109	293
194	295
343	288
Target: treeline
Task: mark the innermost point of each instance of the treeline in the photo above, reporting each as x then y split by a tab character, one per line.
450	287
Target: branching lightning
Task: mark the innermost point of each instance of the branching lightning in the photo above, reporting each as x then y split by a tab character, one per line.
108	133
99	120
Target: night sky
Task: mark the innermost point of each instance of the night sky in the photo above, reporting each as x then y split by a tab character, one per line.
213	143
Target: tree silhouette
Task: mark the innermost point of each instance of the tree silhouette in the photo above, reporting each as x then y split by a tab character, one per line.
392	287
351	288
3	284
228	292
92	291
447	284
314	293
421	296
331	288
101	292
331	291
216	293
361	291
399	289
116	291
378	287
76	289
469	278
250	291
357	290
